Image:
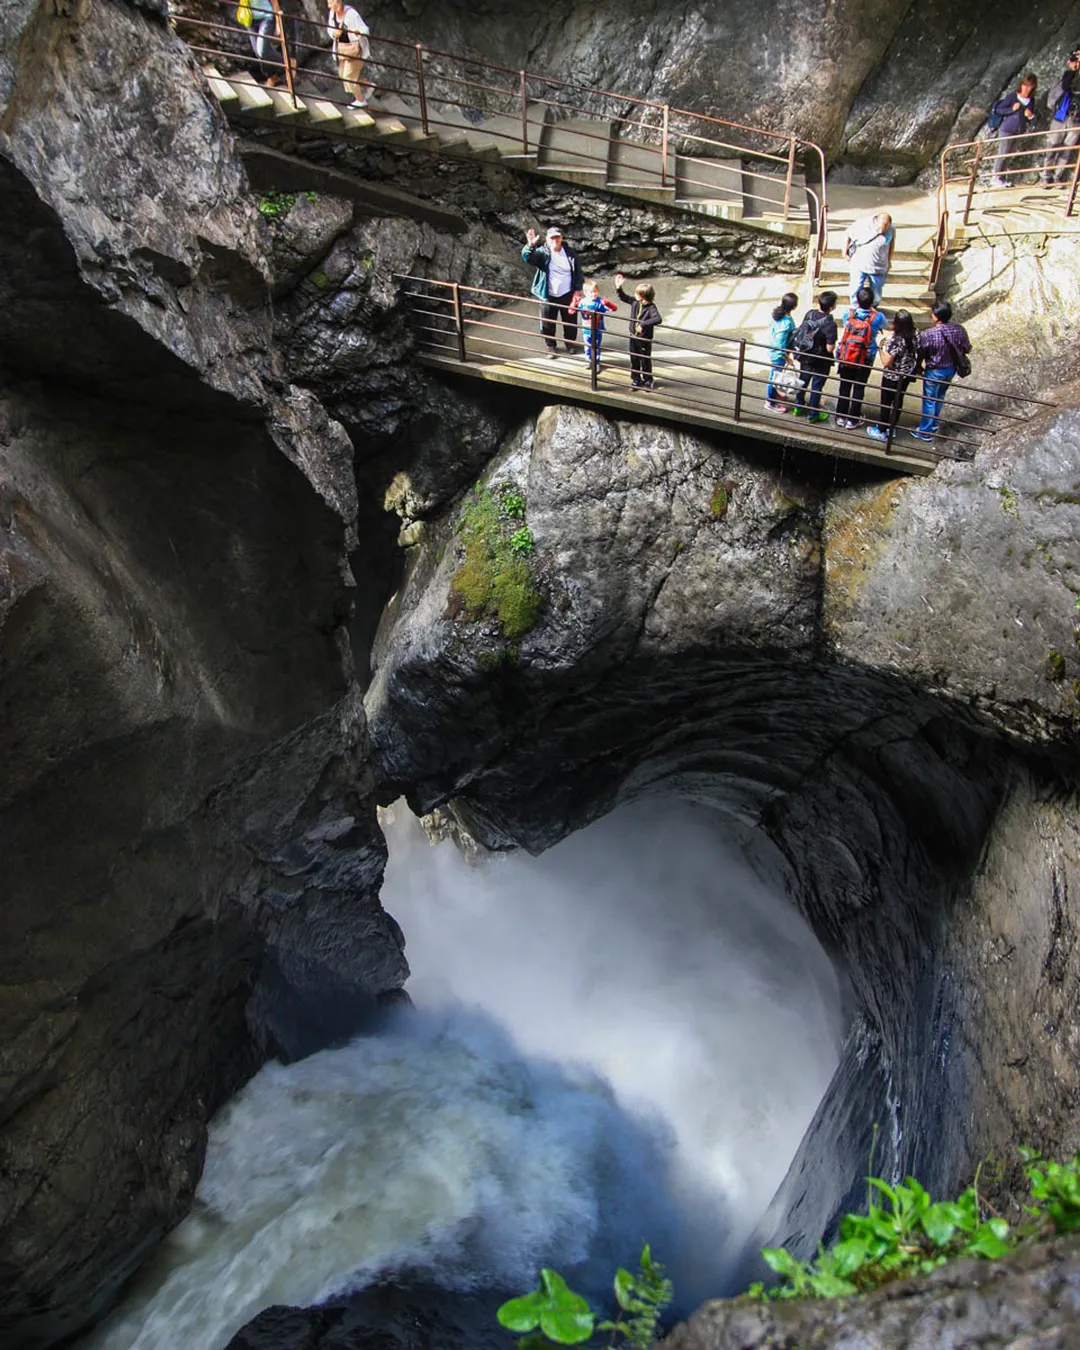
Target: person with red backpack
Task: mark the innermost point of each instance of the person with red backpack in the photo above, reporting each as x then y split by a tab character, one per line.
855	353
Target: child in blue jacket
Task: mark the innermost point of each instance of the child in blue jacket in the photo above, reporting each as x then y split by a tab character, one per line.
592	302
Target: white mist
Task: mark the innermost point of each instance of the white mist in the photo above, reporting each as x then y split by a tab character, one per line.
621	1040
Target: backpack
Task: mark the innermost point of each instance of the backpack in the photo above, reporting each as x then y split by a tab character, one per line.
994	119
1058	101
809	337
854	345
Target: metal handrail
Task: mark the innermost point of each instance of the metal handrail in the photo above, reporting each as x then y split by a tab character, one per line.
466	319
967	180
421	71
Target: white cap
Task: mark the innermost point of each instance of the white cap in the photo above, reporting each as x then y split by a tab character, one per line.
554	233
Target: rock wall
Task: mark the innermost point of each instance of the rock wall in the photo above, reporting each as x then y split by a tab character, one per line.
881	87
191	855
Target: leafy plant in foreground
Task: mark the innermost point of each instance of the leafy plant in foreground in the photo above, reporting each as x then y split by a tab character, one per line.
554	1315
905	1233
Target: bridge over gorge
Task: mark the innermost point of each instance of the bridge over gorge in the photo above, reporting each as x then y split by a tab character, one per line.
703	378
452	105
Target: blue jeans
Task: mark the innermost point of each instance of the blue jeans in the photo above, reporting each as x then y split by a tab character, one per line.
815	382
935	387
875	280
775	367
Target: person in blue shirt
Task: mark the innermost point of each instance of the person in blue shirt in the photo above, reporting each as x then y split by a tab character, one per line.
781	331
1064	124
592	302
855	354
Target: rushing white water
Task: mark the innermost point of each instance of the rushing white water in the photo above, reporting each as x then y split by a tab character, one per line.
621	1040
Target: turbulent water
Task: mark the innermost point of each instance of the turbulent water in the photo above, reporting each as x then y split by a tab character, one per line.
621	1040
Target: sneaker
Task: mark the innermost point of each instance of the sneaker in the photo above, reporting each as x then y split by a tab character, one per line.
799	412
571	347
998	182
648	386
876	434
922	436
847	423
774	407
817	416
635	384
358	103
553	356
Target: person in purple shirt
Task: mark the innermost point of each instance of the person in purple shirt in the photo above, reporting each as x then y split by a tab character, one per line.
939	348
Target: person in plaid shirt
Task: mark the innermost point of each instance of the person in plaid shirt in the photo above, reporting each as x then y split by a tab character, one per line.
939	348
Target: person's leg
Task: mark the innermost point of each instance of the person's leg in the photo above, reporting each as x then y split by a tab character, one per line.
1067	161
569	323
635	362
843	401
860	375
856	279
888	401
817	384
775	367
548	315
1005	145
935	388
350	70
877	281
1054	139
646	363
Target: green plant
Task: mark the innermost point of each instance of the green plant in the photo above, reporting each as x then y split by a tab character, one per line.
554	1315
274	205
1009	500
910	1234
1055	666
495	578
512	503
718	502
1055	1188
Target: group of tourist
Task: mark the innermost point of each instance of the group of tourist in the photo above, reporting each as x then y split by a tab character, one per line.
347	31
851	341
564	294
1016	116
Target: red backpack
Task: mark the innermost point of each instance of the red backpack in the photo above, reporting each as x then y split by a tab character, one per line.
854	346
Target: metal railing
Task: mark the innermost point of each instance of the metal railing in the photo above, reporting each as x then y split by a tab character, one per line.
638	143
722	376
970	170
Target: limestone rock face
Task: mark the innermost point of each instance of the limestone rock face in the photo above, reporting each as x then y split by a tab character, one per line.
189	834
880	86
1026	1300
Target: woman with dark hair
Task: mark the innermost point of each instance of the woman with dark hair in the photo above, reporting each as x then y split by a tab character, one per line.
781	331
1017	114
899	360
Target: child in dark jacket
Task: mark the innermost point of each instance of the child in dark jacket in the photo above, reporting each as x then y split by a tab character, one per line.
644	320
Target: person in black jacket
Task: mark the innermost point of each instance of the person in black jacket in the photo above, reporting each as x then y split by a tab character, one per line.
1017	113
1064	108
644	320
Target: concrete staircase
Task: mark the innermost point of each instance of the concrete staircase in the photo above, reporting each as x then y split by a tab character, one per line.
580	150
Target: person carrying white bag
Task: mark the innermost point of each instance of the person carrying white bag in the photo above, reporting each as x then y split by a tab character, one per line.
349	34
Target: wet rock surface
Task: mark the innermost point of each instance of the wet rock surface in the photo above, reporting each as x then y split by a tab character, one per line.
1028	1301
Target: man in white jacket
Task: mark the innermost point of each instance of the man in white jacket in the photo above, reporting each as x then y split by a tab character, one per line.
349	34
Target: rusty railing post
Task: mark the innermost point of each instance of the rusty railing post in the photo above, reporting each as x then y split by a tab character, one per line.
459	322
594	352
971	181
421	89
664	146
286	58
1075	180
524	115
739	378
790	177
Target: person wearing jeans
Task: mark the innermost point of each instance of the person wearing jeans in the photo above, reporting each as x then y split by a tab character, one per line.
938	348
1017	112
557	284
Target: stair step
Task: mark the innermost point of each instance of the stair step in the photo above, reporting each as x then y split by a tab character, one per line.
253	97
356	119
639	185
635	164
284	106
390	126
575	145
220	86
322	110
713	180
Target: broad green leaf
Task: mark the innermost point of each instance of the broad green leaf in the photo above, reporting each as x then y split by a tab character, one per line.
847	1257
522	1314
938	1224
825	1285
567	1325
781	1260
624	1287
883	1187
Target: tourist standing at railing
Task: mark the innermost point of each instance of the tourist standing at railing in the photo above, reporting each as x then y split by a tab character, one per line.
349	34
1064	108
1017	113
869	245
855	355
644	321
781	332
592	302
944	348
814	342
556	284
899	361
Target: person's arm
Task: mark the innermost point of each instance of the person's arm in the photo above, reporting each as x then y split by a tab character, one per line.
610	306
892	245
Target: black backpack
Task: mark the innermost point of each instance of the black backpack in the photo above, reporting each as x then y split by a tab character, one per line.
809	337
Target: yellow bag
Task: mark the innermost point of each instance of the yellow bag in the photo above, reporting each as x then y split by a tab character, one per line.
243	13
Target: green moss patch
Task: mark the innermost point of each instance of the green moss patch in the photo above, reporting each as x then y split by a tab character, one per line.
495	579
